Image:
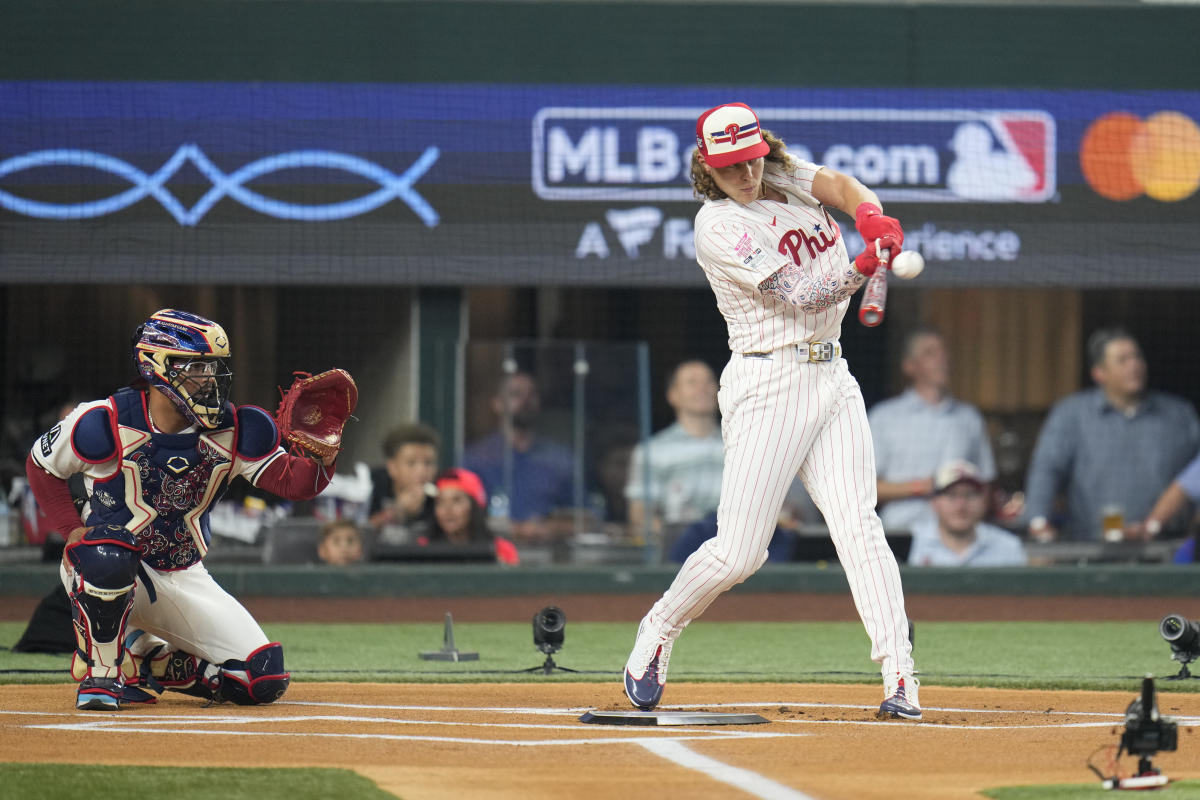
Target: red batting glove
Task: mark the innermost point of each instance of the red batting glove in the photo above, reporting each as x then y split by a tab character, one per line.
867	262
873	225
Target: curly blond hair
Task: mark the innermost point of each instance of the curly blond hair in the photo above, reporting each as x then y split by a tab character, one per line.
702	182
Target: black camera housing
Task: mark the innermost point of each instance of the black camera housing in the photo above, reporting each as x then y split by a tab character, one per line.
549	626
1146	733
1183	635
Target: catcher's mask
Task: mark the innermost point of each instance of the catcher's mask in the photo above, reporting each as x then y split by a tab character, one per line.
185	356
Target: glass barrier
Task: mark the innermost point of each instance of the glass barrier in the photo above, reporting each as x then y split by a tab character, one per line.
549	427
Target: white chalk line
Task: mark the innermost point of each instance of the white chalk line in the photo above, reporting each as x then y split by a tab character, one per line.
743	779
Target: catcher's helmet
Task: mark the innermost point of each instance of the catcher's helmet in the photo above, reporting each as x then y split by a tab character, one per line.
185	356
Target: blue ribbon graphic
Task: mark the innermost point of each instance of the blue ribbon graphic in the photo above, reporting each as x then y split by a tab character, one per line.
223	185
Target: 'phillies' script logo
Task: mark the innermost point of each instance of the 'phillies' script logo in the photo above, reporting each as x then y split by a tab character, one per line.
816	242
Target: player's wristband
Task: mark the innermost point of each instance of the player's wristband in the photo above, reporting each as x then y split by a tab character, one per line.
1153	527
865	210
1037	523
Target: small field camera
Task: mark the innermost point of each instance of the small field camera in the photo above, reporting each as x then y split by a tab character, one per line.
549	629
1183	635
1146	733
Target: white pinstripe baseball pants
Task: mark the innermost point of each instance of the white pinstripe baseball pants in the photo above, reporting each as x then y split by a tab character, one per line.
781	417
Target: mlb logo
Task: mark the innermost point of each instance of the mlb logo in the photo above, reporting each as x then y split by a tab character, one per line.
1004	156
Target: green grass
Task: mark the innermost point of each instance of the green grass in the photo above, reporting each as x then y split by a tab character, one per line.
1042	655
1184	790
186	783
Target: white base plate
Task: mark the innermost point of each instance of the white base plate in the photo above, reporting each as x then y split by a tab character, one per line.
661	718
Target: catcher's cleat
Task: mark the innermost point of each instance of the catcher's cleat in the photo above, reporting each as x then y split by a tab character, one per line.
901	699
99	694
136	694
646	669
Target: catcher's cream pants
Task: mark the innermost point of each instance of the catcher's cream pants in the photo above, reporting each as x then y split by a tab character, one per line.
780	418
192	613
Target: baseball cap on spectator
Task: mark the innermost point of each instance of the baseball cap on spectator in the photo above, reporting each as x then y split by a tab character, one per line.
728	134
955	472
465	481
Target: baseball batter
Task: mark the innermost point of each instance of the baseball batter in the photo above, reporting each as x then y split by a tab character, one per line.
155	458
778	266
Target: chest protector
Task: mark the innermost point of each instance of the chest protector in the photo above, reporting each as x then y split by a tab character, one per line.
165	484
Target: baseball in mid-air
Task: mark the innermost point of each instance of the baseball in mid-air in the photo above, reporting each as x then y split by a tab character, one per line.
908	264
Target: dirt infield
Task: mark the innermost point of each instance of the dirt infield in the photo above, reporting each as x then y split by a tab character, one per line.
425	742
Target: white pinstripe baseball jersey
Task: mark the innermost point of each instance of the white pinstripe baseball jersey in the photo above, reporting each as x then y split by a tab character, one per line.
741	246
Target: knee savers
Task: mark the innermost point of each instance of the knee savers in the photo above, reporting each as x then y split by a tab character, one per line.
105	563
261	678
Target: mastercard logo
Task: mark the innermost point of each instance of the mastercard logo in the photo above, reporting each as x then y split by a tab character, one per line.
1124	156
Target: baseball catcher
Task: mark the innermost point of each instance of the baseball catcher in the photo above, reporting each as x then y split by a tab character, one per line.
155	457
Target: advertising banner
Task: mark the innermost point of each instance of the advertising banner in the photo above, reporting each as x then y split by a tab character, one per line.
460	184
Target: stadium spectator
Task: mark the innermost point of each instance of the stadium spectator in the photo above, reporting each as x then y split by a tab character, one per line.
679	481
341	543
1177	503
529	478
402	492
613	446
920	429
1117	444
956	535
461	515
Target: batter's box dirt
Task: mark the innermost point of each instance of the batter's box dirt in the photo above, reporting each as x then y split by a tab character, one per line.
524	741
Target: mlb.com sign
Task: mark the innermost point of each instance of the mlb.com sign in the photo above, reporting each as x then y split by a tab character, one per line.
644	154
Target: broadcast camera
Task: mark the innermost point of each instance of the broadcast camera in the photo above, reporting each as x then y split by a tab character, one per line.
1184	637
549	631
1145	734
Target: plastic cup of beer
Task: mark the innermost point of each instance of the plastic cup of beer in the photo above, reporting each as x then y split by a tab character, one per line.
1113	523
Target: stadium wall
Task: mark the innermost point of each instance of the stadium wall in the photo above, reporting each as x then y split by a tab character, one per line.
931	45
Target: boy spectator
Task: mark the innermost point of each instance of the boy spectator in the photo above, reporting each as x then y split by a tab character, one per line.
402	495
341	543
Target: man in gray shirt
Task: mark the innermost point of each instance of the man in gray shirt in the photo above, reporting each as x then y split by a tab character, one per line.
676	479
1116	445
921	429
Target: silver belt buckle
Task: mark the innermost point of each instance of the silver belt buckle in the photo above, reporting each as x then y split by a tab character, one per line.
820	351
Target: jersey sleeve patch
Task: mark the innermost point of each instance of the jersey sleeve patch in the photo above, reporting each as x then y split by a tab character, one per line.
92	437
258	436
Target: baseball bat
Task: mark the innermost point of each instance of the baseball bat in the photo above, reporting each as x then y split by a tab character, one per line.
874	302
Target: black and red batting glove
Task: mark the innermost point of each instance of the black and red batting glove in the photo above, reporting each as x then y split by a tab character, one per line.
874	226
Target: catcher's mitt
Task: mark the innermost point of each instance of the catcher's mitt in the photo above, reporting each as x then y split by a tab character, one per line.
314	409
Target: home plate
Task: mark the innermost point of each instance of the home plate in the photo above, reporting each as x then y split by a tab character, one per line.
669	718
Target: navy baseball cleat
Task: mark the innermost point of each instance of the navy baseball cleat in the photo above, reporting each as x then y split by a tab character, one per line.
901	701
646	669
99	694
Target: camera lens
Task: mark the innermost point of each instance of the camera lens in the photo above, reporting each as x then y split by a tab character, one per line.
551	620
1179	632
